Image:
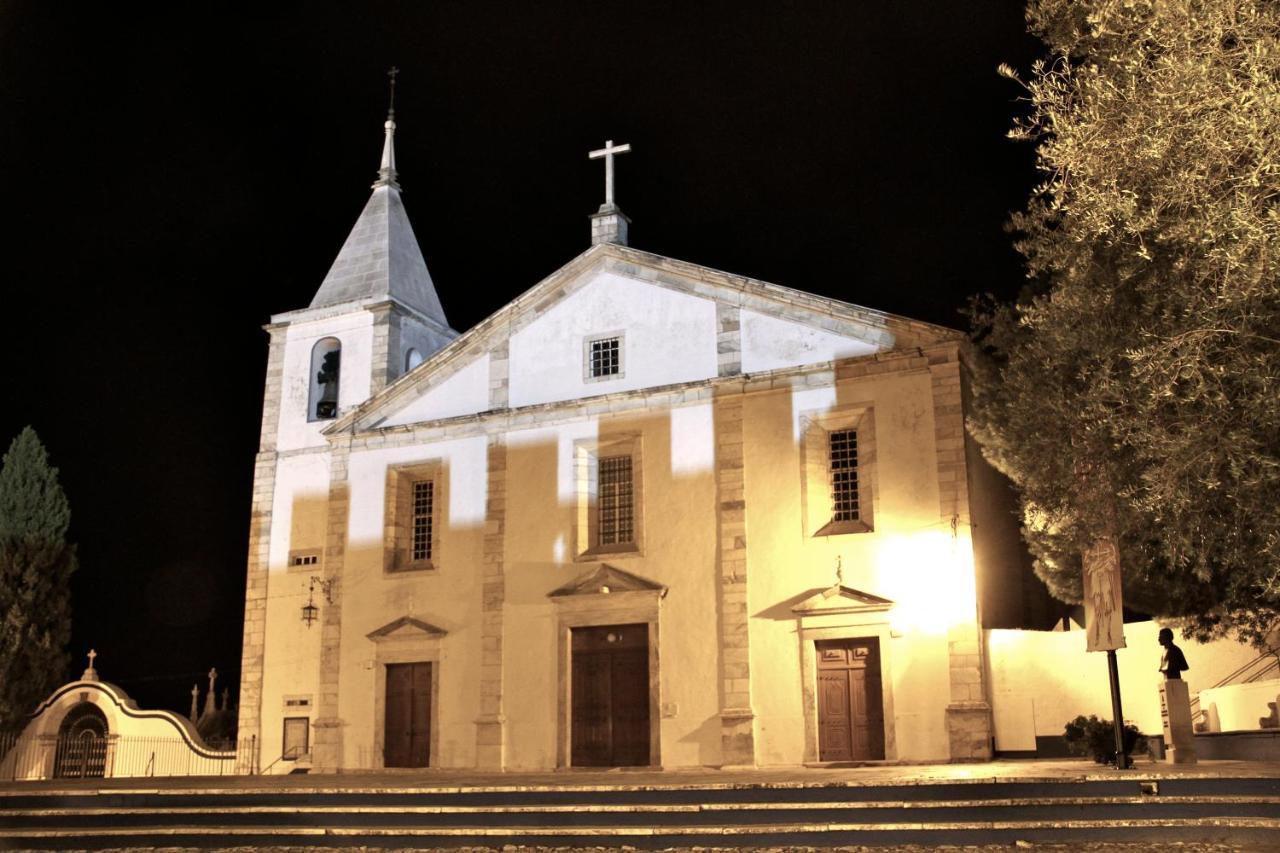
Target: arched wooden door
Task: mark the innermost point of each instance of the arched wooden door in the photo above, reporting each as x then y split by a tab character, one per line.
82	744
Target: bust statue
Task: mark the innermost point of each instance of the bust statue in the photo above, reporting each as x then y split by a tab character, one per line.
1172	662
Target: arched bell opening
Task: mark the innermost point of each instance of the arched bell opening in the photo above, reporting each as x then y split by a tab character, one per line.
82	744
326	367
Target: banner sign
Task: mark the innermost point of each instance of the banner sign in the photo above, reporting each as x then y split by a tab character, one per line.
1103	613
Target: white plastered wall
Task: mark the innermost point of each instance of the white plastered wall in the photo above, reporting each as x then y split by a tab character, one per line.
909	558
447	597
465	392
770	343
1042	679
669	337
355	332
291	652
678	550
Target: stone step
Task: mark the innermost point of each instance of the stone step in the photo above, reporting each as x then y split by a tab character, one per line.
1101	808
1261	831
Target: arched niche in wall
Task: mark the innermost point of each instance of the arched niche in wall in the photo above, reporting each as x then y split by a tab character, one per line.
412	358
326	367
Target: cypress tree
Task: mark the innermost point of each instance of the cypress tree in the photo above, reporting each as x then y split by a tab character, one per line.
36	563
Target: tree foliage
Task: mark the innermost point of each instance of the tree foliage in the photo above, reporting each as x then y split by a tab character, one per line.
35	569
1134	387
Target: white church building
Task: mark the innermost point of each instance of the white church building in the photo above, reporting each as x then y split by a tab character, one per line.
646	514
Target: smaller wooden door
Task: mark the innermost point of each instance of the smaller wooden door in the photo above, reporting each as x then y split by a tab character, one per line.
407	736
850	707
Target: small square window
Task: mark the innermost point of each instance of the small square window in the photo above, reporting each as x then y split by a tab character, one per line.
604	357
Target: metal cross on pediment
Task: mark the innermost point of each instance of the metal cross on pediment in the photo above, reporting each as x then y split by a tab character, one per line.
607	153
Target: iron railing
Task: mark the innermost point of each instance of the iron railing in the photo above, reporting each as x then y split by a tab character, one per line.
88	755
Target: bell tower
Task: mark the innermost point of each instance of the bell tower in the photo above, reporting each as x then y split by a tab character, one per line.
375	316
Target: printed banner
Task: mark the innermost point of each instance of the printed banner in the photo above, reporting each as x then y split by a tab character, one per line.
1103	613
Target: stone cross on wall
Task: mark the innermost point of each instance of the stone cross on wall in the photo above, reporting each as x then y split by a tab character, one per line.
607	153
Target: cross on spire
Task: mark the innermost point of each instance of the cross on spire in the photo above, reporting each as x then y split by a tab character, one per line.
608	152
387	169
92	654
391	104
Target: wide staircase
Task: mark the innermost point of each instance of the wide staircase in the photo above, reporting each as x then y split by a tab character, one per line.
1133	809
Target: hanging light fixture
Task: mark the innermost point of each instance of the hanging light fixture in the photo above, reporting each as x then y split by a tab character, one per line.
310	612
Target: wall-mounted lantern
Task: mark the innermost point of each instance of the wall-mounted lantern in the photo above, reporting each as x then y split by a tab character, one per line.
310	612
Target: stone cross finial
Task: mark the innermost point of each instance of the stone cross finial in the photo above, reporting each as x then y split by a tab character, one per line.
607	153
90	674
391	104
209	706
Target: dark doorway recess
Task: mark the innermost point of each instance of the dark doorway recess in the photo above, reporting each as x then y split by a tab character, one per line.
850	704
408	719
82	744
610	696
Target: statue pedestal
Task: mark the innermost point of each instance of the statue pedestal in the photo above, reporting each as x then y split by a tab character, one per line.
1175	713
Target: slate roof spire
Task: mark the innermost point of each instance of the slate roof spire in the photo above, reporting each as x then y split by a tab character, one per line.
381	258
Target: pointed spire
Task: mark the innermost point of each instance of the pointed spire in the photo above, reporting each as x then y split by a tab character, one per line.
381	258
387	170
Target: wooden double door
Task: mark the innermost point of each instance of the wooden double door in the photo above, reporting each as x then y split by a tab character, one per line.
850	700
407	735
609	692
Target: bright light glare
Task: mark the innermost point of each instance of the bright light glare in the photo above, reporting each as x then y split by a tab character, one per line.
930	577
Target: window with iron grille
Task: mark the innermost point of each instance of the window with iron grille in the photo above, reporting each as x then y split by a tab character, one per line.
843	463
617	519
605	357
423	498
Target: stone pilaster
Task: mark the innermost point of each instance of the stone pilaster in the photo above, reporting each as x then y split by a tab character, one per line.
385	351
728	339
737	720
499	375
969	726
255	597
327	749
491	724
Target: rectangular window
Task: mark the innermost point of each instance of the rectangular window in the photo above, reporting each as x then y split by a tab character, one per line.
297	731
843	462
617	520
605	357
423	499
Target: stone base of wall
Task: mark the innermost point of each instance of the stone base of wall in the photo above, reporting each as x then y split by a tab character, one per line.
491	733
737	738
326	752
969	731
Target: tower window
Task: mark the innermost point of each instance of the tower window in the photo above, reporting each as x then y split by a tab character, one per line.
412	358
326	368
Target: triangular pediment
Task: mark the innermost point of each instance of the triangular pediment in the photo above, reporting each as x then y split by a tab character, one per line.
836	329
840	599
405	627
607	580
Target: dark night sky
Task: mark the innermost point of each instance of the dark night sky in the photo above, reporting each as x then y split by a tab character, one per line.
170	178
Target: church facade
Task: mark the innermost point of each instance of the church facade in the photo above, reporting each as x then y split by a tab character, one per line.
646	514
